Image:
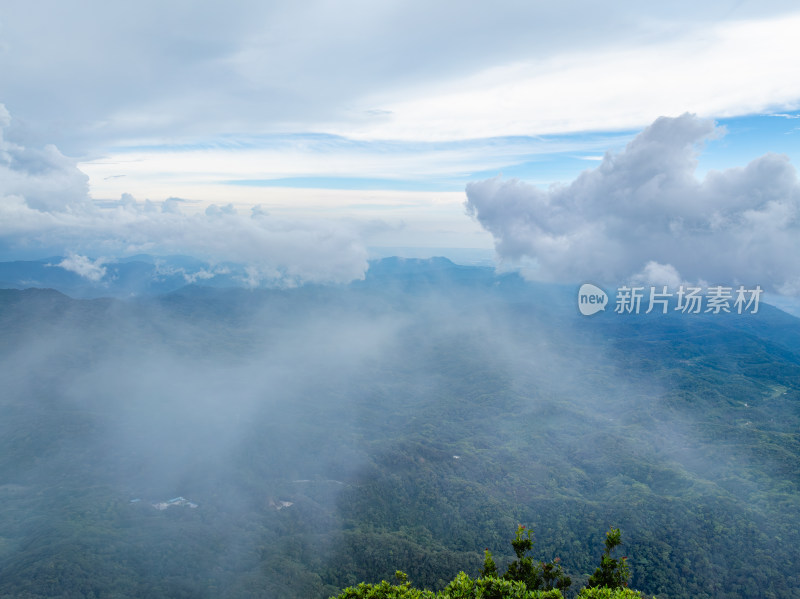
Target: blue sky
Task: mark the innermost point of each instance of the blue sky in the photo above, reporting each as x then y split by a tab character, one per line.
329	131
433	166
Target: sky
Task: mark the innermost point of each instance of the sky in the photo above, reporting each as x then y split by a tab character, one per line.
578	140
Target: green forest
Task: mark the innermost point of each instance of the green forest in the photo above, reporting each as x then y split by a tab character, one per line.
525	578
316	438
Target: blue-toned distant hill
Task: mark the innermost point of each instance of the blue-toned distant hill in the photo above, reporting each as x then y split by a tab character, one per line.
145	275
140	275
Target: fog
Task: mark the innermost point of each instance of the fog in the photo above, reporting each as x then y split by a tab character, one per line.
324	432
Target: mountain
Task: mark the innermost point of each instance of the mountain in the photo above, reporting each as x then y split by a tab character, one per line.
135	276
333	434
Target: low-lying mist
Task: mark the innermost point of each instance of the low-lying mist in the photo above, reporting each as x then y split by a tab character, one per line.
319	436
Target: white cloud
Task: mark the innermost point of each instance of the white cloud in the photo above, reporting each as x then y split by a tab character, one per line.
39	211
723	69
416	70
214	210
643	213
276	157
48	180
190	277
81	265
654	273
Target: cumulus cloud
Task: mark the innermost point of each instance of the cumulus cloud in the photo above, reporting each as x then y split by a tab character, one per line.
214	210
658	274
45	207
643	213
83	266
46	179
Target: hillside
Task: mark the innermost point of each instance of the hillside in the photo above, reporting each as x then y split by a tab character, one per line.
329	435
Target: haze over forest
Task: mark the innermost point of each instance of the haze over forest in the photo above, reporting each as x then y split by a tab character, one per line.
329	435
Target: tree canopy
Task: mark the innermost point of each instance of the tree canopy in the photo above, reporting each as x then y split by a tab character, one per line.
525	578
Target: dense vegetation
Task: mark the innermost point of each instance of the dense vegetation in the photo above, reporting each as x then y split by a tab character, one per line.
525	578
336	435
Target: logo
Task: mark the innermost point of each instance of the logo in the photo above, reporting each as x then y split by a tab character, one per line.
686	300
591	299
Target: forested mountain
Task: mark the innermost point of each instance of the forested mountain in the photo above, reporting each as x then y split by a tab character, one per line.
315	437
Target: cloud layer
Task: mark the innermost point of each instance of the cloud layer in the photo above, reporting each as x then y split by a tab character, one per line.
159	71
45	209
643	214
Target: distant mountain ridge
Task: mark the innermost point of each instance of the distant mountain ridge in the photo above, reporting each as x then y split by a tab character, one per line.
145	275
140	275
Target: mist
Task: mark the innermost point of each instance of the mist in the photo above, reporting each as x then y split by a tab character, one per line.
323	435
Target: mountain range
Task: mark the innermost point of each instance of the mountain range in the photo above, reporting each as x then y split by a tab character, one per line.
407	421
